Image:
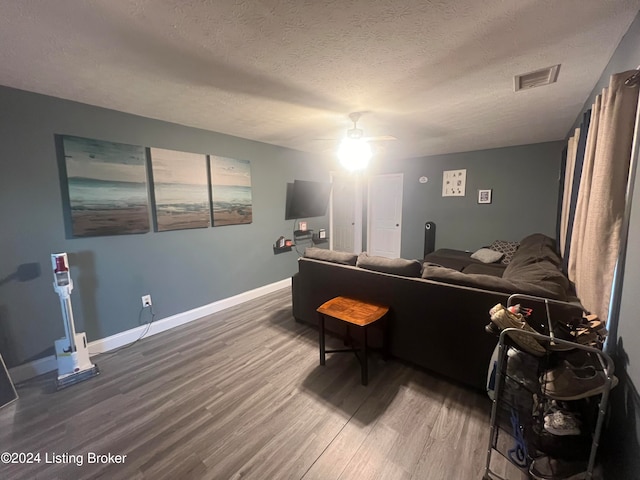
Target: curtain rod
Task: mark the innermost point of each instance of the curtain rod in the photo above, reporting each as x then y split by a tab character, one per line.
634	79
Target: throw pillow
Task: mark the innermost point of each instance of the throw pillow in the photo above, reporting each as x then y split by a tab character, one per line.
395	266
508	248
486	255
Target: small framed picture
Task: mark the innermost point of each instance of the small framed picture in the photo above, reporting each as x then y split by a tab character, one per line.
484	196
302	226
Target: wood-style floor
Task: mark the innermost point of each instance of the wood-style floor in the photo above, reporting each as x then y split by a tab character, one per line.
240	394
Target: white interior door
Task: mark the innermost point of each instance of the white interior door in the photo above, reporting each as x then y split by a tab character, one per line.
385	215
346	214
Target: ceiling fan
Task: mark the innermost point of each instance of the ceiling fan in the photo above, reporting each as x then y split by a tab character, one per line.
356	133
355	150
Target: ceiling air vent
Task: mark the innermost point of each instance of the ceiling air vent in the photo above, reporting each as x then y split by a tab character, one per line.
536	79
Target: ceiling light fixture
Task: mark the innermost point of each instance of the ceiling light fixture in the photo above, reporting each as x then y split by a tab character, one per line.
354	154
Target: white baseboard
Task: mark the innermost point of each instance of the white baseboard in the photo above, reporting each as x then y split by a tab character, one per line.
47	364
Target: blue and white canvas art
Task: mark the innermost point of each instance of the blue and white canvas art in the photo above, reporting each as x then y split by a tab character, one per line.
181	189
231	185
107	187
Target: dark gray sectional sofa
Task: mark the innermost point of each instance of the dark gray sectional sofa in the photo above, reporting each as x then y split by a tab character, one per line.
437	314
534	269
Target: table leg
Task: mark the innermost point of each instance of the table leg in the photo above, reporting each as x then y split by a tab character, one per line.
385	339
321	330
365	360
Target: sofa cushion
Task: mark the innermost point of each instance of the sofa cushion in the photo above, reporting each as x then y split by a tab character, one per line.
487	255
495	269
542	273
456	259
548	288
536	262
535	248
506	247
333	256
539	240
477	280
395	266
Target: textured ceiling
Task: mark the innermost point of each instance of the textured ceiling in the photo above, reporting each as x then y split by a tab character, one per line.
437	74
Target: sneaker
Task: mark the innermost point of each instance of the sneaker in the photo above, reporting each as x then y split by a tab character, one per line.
544	468
559	347
505	319
567	382
554	346
561	423
492	328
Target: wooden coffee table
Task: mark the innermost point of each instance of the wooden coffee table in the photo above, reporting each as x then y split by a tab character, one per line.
353	312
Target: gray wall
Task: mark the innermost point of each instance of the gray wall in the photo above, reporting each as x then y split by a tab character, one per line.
524	181
182	269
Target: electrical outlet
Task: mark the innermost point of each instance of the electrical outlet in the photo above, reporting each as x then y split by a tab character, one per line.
146	300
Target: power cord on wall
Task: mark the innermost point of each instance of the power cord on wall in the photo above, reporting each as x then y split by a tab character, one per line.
295	241
146	330
293	237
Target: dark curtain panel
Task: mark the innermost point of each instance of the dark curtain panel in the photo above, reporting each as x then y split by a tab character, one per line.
582	144
563	173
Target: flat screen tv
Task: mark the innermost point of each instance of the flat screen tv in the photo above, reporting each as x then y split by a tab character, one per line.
307	199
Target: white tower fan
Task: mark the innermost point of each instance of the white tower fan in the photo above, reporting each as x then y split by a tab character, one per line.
72	353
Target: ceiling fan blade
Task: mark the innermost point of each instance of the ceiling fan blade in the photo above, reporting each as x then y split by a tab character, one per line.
381	138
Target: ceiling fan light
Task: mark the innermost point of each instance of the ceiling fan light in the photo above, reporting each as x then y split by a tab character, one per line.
355	133
354	154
